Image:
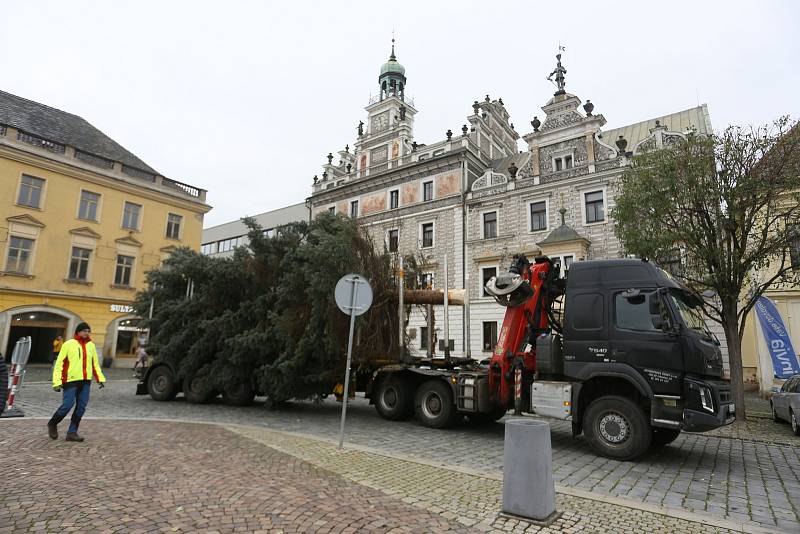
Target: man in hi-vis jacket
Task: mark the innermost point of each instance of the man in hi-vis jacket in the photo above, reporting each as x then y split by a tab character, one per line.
75	366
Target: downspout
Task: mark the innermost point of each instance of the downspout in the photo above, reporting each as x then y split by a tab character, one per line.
464	277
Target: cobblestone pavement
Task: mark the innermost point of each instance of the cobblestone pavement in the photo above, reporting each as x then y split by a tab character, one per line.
750	476
137	477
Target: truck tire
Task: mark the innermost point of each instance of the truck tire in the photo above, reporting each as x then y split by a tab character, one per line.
394	398
161	384
434	404
194	393
3	383
664	436
240	394
617	428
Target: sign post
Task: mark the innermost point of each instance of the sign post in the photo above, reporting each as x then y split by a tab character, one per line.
353	296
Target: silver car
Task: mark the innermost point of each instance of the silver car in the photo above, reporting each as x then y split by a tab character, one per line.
785	403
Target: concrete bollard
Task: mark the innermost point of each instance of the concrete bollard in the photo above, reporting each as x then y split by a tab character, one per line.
528	487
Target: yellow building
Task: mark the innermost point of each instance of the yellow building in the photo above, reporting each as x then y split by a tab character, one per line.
81	221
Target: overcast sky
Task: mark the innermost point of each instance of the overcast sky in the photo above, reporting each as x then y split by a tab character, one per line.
245	98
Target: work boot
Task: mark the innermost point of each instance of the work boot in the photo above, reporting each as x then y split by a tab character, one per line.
73	436
52	429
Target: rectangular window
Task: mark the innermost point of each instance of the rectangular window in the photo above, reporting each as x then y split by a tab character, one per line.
489	224
208	248
426	281
20	250
394	240
538	216
423	338
122	276
558	164
594	207
354	208
88	206
174	226
427	191
642	312
567	162
79	264
130	216
394	199
30	191
332	210
427	235
489	335
486	274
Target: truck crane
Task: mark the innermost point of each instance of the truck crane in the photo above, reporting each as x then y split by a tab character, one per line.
618	348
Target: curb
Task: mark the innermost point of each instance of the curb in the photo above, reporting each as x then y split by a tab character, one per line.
748	527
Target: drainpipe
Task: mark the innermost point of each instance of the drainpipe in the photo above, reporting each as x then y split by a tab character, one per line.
465	326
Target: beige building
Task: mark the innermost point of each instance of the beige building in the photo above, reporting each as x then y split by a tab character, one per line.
82	219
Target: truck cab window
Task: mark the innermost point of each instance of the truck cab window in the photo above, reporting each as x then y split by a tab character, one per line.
690	312
641	312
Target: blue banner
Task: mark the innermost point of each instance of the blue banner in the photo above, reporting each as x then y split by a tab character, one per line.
784	358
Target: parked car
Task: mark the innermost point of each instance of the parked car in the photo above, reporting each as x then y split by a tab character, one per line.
785	404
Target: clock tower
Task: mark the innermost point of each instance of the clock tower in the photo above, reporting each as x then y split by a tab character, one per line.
390	119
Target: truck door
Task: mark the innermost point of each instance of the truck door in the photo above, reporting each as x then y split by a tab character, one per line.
585	329
638	339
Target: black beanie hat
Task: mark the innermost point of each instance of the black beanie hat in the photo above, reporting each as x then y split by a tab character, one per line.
82	326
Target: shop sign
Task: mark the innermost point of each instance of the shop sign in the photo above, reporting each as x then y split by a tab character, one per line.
121	308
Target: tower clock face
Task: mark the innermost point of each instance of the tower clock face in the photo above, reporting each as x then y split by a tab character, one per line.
380	122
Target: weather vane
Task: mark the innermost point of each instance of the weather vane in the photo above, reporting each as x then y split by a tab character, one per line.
559	72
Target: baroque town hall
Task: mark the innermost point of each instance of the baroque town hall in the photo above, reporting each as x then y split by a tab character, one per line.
477	199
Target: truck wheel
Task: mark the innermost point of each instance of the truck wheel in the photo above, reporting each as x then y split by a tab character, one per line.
664	436
240	394
795	423
161	384
617	428
434	404
394	398
194	393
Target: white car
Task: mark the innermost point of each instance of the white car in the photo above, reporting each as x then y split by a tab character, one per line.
785	403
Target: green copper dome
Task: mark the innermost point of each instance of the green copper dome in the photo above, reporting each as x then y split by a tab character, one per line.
392	66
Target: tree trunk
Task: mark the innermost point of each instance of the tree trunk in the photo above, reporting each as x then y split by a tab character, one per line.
731	326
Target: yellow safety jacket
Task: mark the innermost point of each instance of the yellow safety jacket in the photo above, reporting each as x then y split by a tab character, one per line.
77	360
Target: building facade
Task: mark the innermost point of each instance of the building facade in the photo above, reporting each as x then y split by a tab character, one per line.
221	240
82	220
478	199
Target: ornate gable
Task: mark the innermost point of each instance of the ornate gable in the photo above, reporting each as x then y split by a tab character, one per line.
25	219
85	231
128	240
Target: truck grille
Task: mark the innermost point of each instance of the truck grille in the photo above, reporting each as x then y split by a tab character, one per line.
724	396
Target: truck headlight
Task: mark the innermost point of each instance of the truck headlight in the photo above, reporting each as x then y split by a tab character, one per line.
706	399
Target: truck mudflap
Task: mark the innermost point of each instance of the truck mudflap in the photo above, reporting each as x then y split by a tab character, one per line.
708	405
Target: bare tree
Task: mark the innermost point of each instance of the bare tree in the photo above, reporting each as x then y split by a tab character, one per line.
728	206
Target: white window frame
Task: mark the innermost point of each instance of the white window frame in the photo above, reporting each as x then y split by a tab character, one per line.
530	203
497	335
99	205
560	155
133	270
31	257
420	235
496	210
560	257
422	190
387	241
139	221
432	274
482	268
42	198
606	207
389	198
180	226
89	266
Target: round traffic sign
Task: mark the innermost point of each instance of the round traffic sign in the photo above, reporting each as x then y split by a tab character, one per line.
351	285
